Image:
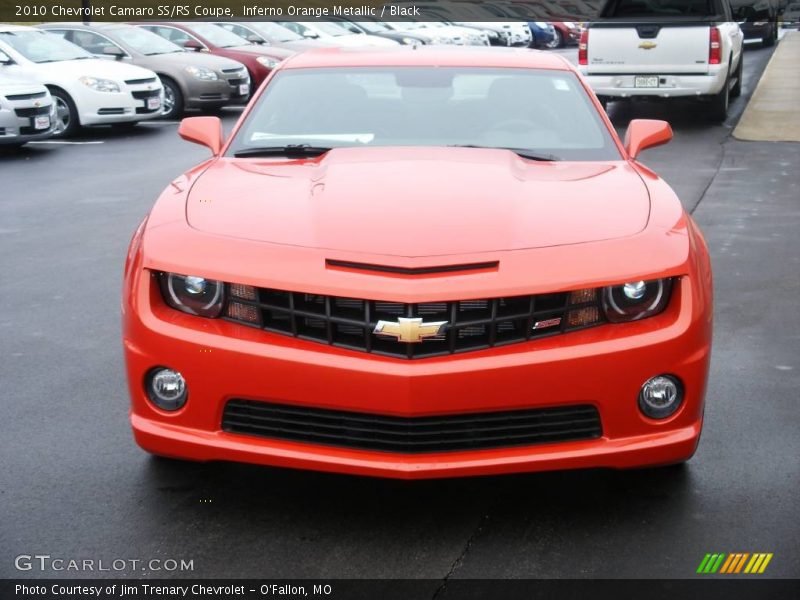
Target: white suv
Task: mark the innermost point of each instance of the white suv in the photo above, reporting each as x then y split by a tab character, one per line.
86	90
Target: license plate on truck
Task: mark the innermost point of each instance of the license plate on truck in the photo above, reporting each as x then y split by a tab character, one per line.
645	81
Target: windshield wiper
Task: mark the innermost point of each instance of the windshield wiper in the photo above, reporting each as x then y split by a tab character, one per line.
290	151
523	152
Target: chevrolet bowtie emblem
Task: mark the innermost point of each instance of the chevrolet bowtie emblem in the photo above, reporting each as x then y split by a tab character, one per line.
647	45
411	331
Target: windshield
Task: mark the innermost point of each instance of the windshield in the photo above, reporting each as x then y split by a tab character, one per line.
331	28
372	26
41	47
540	111
144	41
275	32
218	36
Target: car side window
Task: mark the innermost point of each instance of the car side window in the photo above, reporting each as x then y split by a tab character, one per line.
237	29
296	27
176	36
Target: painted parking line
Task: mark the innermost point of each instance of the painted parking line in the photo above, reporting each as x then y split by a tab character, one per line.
66	143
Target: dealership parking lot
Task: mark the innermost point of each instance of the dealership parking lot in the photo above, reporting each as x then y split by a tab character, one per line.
78	487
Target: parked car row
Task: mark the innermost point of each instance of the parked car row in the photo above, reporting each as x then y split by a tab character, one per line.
59	77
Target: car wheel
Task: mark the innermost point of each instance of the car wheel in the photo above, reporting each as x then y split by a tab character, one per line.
67	122
720	102
173	99
556	42
736	91
769	39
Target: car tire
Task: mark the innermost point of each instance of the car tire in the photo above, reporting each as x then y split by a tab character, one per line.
769	40
736	90
556	42
718	108
67	120
173	99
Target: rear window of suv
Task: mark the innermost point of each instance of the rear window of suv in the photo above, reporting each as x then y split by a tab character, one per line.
659	8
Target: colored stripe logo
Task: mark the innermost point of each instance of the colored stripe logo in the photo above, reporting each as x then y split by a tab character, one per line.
736	563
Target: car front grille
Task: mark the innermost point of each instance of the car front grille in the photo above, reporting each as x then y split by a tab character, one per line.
33	96
32	112
470	324
111	111
236	82
145	94
236	70
410	435
140	81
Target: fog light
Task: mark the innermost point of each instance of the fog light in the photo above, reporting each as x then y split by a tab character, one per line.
166	388
660	396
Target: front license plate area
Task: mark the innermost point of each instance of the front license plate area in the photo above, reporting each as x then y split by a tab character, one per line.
645	81
244	89
42	122
153	103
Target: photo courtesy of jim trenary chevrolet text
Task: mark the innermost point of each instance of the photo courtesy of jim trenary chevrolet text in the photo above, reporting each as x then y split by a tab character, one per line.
413	300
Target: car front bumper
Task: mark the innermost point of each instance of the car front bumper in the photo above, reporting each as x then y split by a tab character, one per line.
604	366
16	129
220	92
670	86
99	108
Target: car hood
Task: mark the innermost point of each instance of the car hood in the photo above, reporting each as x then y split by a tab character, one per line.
190	59
93	67
255	50
416	202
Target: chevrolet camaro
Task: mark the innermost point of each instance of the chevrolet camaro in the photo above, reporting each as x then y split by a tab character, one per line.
420	263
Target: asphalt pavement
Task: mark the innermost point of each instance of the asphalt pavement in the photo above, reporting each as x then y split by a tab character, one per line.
74	485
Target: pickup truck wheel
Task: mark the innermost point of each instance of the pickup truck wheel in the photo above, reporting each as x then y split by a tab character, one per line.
720	102
736	90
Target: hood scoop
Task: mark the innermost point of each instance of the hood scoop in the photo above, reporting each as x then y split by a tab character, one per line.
452	269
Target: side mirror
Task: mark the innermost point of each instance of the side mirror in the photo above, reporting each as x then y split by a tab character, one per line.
114	51
5	59
193	45
257	39
646	133
206	131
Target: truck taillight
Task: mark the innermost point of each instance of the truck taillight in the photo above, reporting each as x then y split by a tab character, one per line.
714	47
583	48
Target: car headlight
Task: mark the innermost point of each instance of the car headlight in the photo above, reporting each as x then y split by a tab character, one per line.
99	85
193	295
266	61
202	73
636	299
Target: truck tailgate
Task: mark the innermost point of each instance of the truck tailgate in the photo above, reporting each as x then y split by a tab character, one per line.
641	49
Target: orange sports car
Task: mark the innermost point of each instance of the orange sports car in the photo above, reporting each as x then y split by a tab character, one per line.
420	263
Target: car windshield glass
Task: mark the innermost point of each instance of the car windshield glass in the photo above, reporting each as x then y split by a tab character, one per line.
275	32
542	112
372	26
218	36
331	28
41	47
144	41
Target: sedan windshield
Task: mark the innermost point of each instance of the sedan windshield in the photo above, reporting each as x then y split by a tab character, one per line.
534	112
275	32
42	47
144	41
218	36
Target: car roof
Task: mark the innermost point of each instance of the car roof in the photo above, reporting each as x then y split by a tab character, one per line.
427	56
5	27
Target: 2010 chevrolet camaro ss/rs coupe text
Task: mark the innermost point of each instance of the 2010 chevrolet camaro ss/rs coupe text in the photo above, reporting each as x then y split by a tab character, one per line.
420	263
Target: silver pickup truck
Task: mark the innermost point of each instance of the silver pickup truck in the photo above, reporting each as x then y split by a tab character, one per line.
664	49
